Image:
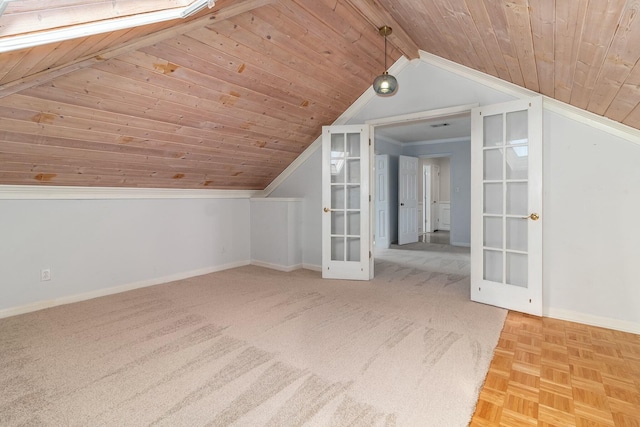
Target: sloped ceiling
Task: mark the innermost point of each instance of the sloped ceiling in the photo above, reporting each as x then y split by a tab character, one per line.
228	98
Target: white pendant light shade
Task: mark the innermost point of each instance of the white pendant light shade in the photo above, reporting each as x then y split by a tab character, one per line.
385	84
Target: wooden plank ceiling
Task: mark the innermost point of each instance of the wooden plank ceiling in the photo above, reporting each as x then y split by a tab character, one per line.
228	98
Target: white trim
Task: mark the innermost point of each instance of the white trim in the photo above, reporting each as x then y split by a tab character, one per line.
40	305
278	267
599	122
551	104
25	41
277	199
589	319
36	192
424	115
439	141
464	245
348	114
312	267
387	140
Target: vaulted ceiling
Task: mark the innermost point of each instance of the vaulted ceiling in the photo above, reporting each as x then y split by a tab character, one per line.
228	97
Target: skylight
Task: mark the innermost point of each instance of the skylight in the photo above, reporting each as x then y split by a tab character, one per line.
29	23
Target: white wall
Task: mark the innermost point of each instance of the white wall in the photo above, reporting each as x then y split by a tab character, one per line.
93	245
445	179
305	183
276	233
459	154
591	200
591	229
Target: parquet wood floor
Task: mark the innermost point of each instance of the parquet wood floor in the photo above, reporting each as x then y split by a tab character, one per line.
548	372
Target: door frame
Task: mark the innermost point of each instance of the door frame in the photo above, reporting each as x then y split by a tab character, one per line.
404	118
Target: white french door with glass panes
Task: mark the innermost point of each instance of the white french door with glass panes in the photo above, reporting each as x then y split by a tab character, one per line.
506	205
346	251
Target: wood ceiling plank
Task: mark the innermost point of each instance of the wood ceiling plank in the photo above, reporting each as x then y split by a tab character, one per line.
425	23
224	183
236	175
194	65
218	132
37	147
633	118
450	24
129	143
8	62
315	84
209	144
27	62
501	29
114	168
468	26
627	98
54	140
377	16
196	111
305	111
342	33
519	22
482	22
621	57
250	70
49	106
542	28
601	21
285	114
295	46
570	20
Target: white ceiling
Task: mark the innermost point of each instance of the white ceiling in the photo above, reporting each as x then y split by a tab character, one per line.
424	131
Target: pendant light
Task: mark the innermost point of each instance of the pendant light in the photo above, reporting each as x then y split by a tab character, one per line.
385	84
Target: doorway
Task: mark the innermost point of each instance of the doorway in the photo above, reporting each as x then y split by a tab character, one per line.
440	142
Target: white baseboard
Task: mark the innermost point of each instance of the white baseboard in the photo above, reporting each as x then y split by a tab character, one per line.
285	268
41	305
464	244
588	319
312	267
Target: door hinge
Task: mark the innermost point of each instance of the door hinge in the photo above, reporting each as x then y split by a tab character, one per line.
369	254
369	142
369	197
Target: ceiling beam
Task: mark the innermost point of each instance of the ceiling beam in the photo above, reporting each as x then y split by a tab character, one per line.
378	16
236	8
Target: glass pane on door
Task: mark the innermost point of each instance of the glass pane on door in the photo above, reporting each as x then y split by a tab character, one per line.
345	197
505	198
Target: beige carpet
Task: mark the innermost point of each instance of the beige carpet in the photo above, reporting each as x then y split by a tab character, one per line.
256	347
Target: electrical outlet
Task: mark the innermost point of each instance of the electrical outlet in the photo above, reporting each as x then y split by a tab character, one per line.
45	275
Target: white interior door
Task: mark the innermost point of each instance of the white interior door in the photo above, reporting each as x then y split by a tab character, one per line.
381	234
408	200
346	250
426	186
506	205
435	197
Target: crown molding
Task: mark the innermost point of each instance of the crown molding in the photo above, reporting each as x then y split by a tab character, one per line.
550	104
36	192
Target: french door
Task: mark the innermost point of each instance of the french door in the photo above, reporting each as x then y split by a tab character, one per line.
346	243
506	205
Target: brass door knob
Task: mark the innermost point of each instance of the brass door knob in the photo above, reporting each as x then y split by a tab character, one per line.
327	210
534	217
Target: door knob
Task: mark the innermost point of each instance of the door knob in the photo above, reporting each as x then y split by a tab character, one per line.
326	209
401	204
534	217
